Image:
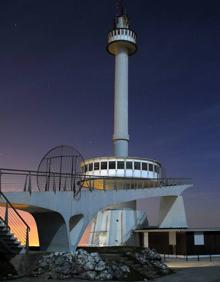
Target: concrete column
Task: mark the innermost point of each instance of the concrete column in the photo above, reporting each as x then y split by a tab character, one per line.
52	231
172	241
146	240
121	136
78	225
172	212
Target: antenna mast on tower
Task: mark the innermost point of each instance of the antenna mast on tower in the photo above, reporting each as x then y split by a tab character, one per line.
120	8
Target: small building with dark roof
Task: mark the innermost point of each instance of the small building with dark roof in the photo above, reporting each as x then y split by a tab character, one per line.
184	241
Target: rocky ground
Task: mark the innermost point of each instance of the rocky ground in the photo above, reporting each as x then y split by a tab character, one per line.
185	271
145	264
129	264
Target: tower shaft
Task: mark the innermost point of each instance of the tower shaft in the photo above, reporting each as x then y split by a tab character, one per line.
121	137
121	44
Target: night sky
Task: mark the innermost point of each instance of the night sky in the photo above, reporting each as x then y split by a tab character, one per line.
56	87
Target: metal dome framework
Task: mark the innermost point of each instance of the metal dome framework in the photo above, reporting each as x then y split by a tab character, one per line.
60	170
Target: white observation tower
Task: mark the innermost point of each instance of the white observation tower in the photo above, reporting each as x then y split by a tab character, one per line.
114	225
121	44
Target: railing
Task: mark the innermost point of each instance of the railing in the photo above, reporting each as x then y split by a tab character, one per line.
140	221
14	221
190	258
14	180
119	183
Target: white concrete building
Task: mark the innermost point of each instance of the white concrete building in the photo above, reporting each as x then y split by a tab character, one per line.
105	194
114	225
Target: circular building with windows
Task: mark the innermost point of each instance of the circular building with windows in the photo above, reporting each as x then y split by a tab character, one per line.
130	167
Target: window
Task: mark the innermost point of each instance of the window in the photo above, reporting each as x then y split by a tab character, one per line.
137	165
156	169
91	167
128	165
96	166
120	165
103	165
144	166
199	238
111	165
150	167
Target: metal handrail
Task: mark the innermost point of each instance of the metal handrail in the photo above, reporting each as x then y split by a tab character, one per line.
135	226
11	206
115	182
31	180
27	227
5	223
85	180
94	177
34	172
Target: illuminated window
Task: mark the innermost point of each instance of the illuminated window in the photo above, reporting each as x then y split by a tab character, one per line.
144	166
91	167
150	167
137	165
128	165
120	165
103	165
111	165
96	166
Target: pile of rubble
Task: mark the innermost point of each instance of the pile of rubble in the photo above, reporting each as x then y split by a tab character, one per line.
81	264
91	266
151	263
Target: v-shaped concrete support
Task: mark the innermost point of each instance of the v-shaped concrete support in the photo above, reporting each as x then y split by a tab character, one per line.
172	212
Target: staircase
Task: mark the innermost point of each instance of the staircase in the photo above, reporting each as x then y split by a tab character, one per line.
14	231
9	244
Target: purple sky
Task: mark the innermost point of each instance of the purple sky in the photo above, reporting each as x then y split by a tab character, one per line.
56	86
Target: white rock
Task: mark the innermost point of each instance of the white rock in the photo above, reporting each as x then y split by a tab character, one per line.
100	266
89	265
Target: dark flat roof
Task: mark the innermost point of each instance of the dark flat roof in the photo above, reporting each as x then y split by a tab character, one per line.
155	229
